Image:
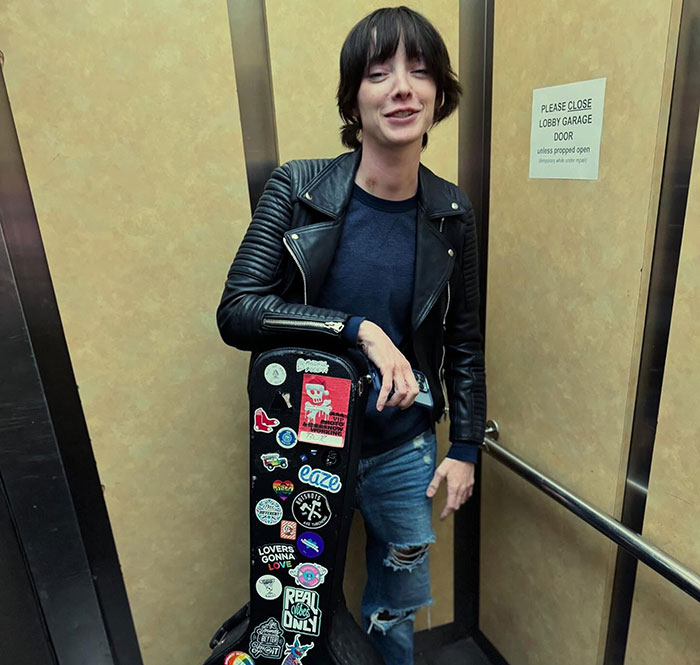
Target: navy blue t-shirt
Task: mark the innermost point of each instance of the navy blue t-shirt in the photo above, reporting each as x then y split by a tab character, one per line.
372	277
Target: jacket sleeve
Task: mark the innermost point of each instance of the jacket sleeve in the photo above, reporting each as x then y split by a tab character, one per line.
251	310
464	357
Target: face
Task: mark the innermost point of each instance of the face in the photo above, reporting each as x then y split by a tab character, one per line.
396	101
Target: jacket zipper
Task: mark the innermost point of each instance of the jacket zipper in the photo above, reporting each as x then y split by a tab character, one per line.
301	270
441	377
442	361
332	326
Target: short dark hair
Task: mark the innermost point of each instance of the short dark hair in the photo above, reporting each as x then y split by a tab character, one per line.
361	49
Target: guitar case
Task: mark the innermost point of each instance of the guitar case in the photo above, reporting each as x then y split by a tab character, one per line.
306	412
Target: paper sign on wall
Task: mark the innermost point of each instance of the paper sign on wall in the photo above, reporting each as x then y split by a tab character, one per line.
567	121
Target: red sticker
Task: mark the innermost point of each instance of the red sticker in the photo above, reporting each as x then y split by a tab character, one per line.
288	530
263	423
323	417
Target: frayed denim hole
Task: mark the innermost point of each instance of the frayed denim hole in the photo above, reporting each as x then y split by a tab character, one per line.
406	557
383	625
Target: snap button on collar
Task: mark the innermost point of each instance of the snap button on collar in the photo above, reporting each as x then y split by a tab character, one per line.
308	196
451	252
454	206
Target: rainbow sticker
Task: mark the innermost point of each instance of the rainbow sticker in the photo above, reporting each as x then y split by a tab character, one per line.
238	658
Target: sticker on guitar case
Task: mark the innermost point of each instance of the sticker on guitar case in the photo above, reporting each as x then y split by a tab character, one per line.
288	530
268	587
296	651
308	575
262	422
301	613
311	509
238	658
267	639
323	416
268	511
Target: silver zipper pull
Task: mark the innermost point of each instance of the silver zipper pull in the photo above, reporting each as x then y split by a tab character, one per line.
335	326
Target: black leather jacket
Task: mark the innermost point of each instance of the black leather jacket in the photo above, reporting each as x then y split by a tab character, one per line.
280	266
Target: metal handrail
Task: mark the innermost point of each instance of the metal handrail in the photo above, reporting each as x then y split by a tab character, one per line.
664	564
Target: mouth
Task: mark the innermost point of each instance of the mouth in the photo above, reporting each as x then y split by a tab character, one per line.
401	113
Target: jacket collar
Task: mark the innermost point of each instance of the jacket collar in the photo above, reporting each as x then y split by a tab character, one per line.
330	191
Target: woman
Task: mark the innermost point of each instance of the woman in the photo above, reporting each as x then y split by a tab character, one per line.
374	249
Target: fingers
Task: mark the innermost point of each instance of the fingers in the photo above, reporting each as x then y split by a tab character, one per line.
438	477
457	496
399	376
387	383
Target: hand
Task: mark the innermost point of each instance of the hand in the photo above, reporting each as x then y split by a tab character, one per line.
460	484
392	364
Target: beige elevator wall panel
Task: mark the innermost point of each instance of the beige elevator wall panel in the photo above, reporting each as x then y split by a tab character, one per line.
665	625
568	269
305	41
128	121
305	38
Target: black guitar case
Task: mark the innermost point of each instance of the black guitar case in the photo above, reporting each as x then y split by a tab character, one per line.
306	411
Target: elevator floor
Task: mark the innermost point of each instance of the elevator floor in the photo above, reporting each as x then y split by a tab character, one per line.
462	652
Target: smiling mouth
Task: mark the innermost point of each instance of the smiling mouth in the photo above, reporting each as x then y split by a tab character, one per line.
401	114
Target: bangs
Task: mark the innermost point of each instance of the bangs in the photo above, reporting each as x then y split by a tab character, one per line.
381	35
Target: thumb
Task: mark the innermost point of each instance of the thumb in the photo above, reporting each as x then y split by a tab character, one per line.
434	484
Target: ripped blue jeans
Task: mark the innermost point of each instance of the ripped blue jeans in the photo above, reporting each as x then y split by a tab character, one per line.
391	497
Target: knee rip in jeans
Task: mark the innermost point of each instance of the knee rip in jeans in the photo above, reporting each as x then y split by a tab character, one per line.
384	620
406	557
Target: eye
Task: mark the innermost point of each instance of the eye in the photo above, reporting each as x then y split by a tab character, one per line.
376	75
422	71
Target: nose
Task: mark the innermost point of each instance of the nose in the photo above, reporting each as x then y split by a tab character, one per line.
402	84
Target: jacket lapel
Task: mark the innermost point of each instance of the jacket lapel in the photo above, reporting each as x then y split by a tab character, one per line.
329	193
434	263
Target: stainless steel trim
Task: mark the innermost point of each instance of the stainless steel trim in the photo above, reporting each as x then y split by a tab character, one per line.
675	181
474	115
251	61
658	560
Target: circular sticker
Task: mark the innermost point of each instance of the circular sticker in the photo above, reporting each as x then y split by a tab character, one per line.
309	575
238	658
275	374
268	511
311	509
310	544
286	437
268	587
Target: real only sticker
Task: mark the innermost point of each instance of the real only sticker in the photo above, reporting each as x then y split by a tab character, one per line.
301	613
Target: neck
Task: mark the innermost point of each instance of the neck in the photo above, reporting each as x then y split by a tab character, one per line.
389	174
